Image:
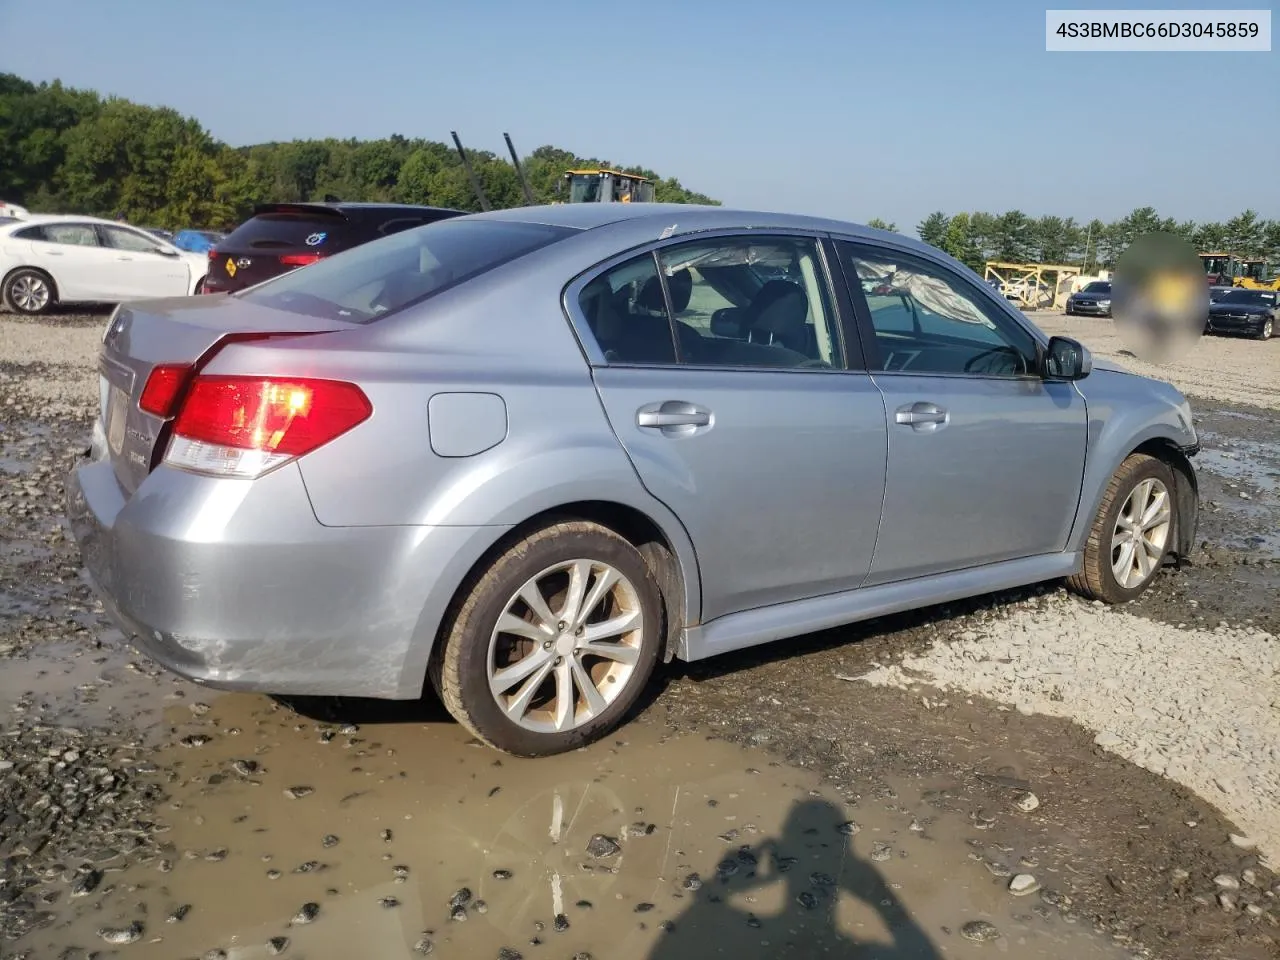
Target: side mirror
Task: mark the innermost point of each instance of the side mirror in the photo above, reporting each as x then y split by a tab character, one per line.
1066	359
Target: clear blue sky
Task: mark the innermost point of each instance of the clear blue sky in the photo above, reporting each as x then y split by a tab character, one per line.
847	109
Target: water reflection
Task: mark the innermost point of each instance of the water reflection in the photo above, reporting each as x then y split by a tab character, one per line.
809	872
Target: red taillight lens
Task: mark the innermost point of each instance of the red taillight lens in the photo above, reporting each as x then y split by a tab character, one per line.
287	417
299	259
213	254
163	389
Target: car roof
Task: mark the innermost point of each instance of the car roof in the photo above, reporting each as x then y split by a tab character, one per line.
684	218
74	218
343	206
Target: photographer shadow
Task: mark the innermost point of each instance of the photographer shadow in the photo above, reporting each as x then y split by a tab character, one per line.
816	864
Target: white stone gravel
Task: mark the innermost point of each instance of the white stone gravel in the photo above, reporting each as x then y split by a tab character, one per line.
1201	707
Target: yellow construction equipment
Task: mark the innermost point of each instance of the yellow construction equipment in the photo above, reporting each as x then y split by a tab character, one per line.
1220	268
1258	274
605	186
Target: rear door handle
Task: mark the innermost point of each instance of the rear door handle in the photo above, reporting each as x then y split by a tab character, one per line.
921	414
673	417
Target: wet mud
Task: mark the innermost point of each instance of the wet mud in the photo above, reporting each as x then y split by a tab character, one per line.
652	845
141	816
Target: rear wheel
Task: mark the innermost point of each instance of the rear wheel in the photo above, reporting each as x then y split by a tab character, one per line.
1131	534
551	646
29	292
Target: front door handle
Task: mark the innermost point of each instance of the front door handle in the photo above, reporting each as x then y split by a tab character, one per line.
922	415
673	417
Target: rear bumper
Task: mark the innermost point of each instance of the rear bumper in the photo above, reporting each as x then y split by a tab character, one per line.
236	585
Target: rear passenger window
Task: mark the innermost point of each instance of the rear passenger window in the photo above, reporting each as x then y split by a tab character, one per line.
757	302
72	234
627	314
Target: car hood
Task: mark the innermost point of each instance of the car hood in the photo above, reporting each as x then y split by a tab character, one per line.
1254	308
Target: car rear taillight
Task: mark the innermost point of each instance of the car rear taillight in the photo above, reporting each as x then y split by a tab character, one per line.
244	426
163	389
213	254
299	259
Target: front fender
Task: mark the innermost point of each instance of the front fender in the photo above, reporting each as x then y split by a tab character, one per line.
1127	413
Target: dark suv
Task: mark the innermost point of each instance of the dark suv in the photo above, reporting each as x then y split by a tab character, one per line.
282	236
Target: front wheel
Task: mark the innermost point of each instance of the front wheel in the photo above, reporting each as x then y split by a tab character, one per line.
553	643
1131	534
1267	330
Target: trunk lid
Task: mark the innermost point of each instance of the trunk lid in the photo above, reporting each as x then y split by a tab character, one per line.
146	334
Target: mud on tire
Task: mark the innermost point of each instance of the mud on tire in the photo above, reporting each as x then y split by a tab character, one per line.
1098	580
563	644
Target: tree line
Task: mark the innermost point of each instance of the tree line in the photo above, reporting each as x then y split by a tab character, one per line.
1014	237
68	150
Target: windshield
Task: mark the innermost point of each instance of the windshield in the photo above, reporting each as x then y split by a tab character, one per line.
584	188
1215	264
1261	298
1098	286
376	278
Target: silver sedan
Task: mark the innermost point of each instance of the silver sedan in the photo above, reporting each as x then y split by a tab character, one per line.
525	456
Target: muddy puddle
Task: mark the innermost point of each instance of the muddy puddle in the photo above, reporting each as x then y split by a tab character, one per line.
394	839
84	684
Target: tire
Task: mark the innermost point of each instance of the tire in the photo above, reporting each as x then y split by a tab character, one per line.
1267	330
1098	580
199	287
29	292
460	671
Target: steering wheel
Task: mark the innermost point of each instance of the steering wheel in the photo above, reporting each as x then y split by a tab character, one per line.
988	361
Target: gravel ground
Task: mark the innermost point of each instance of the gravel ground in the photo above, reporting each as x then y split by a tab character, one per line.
106	766
1227	369
1126	678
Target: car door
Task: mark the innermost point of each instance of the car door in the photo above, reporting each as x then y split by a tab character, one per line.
730	395
71	253
985	458
144	267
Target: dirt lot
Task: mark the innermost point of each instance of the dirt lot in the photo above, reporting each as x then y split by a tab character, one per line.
881	785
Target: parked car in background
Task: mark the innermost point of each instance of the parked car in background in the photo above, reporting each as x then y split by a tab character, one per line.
1094	300
509	455
48	259
1240	310
197	241
13	211
280	237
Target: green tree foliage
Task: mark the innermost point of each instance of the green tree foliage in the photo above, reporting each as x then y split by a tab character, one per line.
933	228
1013	237
878	224
69	150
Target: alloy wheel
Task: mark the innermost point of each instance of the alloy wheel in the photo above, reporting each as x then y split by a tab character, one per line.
29	293
1141	535
566	646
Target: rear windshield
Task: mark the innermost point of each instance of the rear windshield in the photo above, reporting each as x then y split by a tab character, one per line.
286	231
376	278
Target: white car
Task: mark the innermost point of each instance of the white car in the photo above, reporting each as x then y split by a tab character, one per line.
49	259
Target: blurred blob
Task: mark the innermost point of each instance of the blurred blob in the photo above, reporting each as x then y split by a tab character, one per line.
1160	298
